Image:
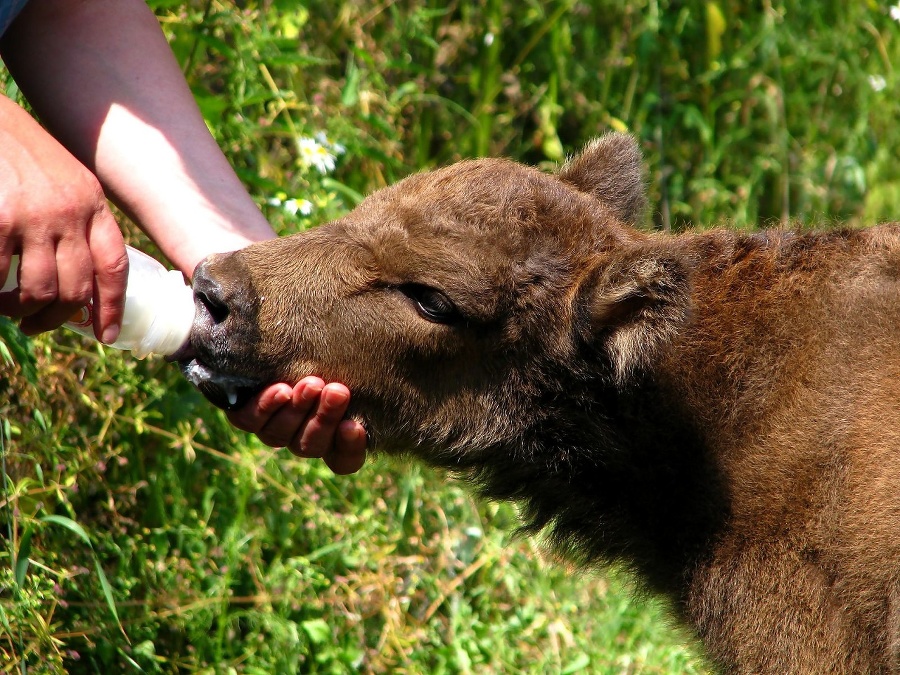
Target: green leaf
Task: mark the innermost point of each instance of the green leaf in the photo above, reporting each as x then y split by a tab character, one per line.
16	347
5	621
715	28
70	525
211	107
108	593
217	45
350	94
406	89
40	419
134	664
79	531
352	195
580	662
317	630
22	557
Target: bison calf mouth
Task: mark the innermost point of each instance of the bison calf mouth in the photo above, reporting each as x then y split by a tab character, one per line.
204	360
224	390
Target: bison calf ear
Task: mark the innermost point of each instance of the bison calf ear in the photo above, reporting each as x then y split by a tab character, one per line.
635	307
610	169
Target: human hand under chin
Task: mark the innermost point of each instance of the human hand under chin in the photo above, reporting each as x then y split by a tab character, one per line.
308	419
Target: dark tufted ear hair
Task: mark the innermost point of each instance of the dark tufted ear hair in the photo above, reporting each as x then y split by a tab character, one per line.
610	169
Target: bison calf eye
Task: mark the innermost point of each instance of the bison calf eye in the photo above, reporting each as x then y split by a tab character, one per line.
431	304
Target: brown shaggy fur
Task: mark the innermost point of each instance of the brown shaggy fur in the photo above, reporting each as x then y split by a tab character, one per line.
717	410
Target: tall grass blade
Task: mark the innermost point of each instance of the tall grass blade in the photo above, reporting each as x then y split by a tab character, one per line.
16	347
79	531
22	558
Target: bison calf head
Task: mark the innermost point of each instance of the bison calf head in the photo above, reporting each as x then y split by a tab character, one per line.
460	306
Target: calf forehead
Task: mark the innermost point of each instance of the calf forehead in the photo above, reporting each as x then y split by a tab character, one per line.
480	196
484	213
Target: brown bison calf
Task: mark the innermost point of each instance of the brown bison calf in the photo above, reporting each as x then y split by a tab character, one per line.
716	410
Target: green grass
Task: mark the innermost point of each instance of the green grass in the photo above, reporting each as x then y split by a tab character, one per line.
221	555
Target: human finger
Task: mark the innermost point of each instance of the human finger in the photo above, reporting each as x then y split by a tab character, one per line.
38	285
74	277
349	452
110	267
7	251
316	438
290	419
259	410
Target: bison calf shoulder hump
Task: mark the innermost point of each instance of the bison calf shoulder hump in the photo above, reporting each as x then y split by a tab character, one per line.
715	410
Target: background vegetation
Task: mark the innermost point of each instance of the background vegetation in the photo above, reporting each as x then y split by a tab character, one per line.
142	534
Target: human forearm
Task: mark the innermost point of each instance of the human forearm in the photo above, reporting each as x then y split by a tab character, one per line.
130	117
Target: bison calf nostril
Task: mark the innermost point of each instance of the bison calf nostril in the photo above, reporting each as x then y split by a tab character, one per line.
217	309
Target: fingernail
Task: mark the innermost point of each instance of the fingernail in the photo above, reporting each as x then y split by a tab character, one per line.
335	397
350	430
305	392
278	399
110	334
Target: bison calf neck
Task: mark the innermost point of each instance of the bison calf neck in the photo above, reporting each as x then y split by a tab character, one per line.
716	410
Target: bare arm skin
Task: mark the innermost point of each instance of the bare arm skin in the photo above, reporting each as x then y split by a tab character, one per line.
104	82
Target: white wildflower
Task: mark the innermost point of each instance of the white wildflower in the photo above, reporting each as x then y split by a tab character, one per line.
294	206
895	12
877	82
277	200
314	154
335	148
291	206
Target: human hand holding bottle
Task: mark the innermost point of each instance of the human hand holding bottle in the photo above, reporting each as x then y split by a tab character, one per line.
53	213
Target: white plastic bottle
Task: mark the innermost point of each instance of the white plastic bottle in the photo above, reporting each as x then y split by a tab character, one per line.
159	307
